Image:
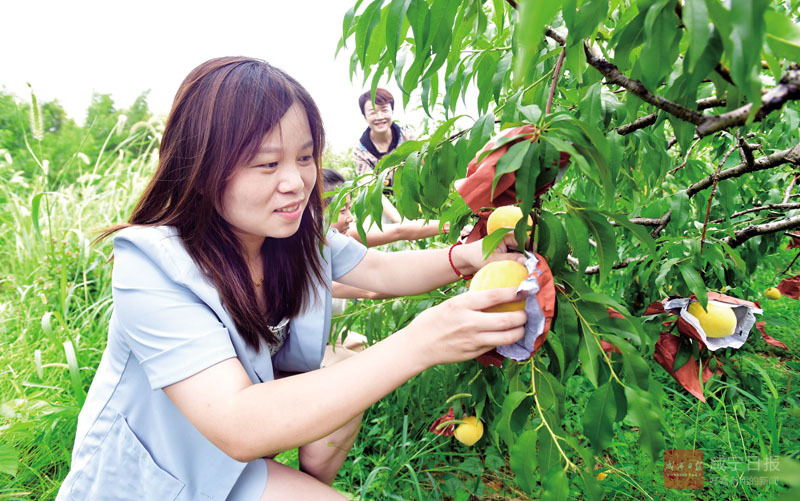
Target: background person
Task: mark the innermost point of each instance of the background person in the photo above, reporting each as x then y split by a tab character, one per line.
381	137
221	282
408	230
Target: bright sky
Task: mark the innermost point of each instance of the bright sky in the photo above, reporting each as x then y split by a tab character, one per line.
68	49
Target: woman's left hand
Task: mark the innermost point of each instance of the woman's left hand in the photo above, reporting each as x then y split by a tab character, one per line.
471	254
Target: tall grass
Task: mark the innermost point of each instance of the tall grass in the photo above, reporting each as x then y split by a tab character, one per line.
54	307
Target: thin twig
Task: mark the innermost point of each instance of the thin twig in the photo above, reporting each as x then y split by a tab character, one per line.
594	270
781	206
556	75
790	264
788	193
715	176
685	160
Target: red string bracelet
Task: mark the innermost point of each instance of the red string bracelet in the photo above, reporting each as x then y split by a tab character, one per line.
450	258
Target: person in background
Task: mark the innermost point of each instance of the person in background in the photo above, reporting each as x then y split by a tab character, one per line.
381	137
221	291
408	230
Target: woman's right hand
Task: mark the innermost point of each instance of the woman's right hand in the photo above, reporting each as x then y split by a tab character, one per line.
457	329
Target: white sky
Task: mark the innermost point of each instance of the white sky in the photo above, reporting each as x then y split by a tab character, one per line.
68	49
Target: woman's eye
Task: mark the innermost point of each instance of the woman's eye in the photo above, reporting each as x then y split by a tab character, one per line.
267	165
306	159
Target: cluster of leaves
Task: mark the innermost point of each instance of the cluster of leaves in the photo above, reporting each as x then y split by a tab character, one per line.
634	218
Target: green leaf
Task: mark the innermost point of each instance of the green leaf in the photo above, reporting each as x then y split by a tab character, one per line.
480	133
598	418
636	371
491	241
374	201
557	350
528	32
590	107
439	134
484	71
433	193
549	456
367	22
755	365
628	36
783	36
638	231
394	26
578	237
583	20
406	186
606	301
747	38
556	482
550	393
575	61
522	461
510	162
525	185
505	423
9	460
681	210
695	283
589	354
682	357
500	74
446	163
695	18
645	411
566	326
619	400
556	251
605	238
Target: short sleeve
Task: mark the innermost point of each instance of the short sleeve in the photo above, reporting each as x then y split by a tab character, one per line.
172	333
346	253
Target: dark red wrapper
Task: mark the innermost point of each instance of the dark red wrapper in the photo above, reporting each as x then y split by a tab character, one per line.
687	375
761	326
790	287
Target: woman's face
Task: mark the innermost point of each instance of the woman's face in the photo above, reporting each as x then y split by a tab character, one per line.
345	218
266	196
379	117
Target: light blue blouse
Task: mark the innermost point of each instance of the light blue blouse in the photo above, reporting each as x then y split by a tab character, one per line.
169	324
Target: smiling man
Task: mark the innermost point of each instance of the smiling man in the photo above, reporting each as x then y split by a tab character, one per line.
381	137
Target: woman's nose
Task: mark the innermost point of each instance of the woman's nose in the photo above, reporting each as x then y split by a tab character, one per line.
291	179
